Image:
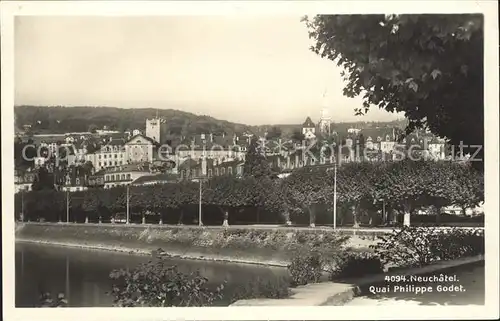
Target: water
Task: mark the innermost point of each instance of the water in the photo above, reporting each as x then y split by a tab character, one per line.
83	275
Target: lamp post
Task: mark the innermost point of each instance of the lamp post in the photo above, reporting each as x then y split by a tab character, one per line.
335	195
200	178
200	200
67	205
128	205
22	205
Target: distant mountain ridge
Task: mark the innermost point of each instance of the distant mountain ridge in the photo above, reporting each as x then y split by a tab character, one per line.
60	119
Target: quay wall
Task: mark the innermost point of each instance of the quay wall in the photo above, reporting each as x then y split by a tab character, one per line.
257	245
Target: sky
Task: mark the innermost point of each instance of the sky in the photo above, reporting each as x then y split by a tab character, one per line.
247	69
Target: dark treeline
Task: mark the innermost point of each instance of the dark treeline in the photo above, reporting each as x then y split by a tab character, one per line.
306	196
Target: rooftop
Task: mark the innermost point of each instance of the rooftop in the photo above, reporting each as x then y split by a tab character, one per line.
155	179
308	123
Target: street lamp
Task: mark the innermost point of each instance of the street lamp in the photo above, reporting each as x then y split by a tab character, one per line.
67	205
335	195
128	205
200	179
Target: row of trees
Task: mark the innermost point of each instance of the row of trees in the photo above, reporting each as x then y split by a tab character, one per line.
400	187
362	189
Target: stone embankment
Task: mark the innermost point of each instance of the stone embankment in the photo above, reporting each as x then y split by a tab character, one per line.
245	244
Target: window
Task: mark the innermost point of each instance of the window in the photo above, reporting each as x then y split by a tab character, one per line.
230	170
105	156
123	176
222	171
128	176
112	177
216	172
77	181
107	178
209	172
99	156
116	163
116	155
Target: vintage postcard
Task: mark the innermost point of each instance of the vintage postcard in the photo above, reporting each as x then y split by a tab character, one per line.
282	160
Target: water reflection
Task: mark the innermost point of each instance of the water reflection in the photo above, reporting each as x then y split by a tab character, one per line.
83	275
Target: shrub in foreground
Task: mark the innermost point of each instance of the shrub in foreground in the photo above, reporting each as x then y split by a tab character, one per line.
305	269
154	284
455	243
419	246
355	264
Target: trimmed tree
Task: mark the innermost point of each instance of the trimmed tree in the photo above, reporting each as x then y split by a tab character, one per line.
256	164
305	189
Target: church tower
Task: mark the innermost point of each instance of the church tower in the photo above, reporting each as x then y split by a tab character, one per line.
325	120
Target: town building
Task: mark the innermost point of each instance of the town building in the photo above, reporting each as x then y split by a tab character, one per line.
193	169
309	129
96	180
74	183
23	180
139	149
106	131
124	174
221	147
111	154
155	179
156	129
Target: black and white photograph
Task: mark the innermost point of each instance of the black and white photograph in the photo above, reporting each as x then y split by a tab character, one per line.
310	161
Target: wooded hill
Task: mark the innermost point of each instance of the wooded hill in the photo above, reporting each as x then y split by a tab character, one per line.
79	119
59	119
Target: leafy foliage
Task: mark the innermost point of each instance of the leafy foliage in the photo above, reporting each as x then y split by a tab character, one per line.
274	133
305	269
416	246
256	164
154	284
361	189
351	264
306	188
430	67
43	180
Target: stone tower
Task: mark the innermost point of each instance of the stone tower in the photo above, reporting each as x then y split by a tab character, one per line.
156	129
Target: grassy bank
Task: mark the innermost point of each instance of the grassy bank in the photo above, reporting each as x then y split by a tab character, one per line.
273	246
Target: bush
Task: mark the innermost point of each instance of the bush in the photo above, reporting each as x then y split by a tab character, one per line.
356	264
155	285
305	269
456	243
419	246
